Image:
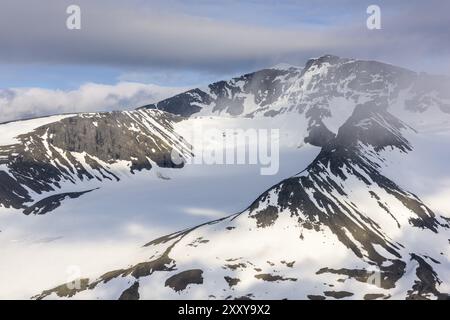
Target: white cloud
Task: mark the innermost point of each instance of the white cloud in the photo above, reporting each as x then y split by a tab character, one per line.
205	212
19	103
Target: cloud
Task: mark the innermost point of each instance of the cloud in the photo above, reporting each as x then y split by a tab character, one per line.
19	103
154	34
205	212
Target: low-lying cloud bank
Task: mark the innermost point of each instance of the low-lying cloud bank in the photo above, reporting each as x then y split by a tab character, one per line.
20	103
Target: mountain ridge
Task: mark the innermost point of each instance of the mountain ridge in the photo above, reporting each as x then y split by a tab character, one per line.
85	147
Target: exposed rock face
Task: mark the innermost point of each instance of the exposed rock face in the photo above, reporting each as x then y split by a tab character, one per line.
180	281
82	148
52	202
131	293
265	86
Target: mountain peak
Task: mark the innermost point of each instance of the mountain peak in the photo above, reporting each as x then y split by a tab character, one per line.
284	66
328	58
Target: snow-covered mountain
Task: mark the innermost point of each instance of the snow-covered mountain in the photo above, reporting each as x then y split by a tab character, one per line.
79	151
360	196
309	104
324	93
339	229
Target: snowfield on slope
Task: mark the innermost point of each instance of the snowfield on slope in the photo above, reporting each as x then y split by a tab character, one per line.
101	229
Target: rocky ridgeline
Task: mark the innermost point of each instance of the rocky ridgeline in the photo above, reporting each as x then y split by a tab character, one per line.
81	148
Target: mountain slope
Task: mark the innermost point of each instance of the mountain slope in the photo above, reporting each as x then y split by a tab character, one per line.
324	93
70	156
239	96
339	229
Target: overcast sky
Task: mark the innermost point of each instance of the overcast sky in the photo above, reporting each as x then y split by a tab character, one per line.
187	43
